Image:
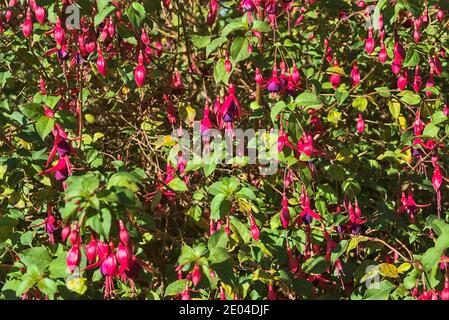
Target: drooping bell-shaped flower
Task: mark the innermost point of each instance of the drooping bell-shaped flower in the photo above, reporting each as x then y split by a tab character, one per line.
403	81
440	15
27	26
59	33
227	63
123	233
109	266
396	65
285	213
360	124
369	42
335	78
91	249
230	110
437	181
206	124
196	275
73	258
445	292
101	62
39	13
123	256
255	232
436	65
271	293
274	84
430	84
383	56
62	169
140	72
355	75
417	79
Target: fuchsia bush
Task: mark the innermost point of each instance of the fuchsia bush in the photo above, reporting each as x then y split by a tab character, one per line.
99	200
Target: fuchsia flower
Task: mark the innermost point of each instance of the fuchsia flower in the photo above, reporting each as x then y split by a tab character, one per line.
27	26
306	145
383	56
307	214
73	258
430	84
285	213
436	65
403	81
206	124
91	249
437	181
229	111
355	75
62	170
409	205
140	72
283	140
227	63
274	84
59	33
271	293
369	42
196	275
335	78
39	13
360	124
101	62
255	232
417	79
213	10
445	292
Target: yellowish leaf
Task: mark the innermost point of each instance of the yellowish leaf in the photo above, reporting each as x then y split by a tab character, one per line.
388	270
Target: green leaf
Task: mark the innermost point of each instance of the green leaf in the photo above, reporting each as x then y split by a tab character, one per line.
277	108
412	99
412	58
218	255
380	293
339	250
200	41
239	50
32	111
309	100
103	14
355	241
44	125
176	287
214	44
187	255
47	286
124	179
261	26
360	103
231	27
77	284
431	130
315	265
218	240
58	267
178	185
136	14
395	108
215	207
38	257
